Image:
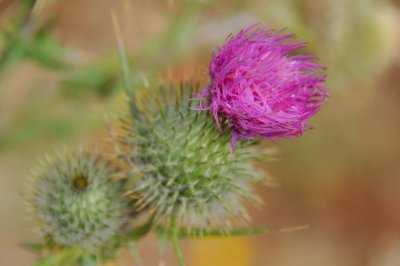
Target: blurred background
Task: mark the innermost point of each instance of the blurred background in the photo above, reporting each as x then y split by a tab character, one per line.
59	79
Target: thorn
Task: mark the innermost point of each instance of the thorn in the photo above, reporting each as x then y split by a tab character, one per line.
122	54
294	228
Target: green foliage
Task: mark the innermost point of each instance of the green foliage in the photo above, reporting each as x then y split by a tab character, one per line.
38	46
101	77
34	247
69	257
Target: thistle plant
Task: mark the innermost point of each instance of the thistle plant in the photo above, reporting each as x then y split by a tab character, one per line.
180	167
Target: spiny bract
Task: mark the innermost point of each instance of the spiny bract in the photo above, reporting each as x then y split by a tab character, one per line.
182	163
76	201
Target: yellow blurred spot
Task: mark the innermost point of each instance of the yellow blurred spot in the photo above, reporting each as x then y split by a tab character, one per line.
220	252
109	263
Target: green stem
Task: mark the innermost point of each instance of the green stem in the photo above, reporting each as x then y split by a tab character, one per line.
122	55
175	243
126	71
135	254
162	243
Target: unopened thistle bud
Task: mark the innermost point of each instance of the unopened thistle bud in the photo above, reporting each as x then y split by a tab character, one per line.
75	200
182	162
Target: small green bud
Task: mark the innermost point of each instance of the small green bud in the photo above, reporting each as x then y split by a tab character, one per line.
75	200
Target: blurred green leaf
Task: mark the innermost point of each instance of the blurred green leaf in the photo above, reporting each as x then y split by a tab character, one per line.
42	126
101	77
88	261
13	53
34	247
89	80
46	51
42	48
67	257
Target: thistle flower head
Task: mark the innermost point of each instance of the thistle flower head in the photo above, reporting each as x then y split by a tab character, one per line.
183	171
259	88
75	200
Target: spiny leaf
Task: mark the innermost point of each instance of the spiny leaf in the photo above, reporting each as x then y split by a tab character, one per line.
199	232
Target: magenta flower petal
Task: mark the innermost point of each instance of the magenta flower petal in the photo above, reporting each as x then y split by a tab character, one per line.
259	88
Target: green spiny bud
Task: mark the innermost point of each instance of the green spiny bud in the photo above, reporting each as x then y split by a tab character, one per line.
76	201
183	163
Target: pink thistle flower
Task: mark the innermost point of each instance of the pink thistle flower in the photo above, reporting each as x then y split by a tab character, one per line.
259	88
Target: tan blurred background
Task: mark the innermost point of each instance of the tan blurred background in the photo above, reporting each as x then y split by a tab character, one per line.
341	178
